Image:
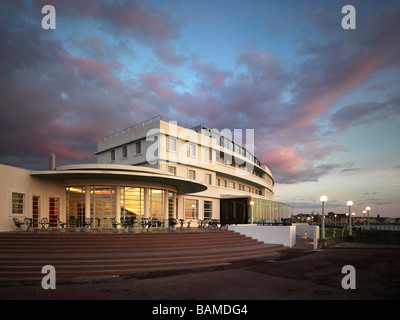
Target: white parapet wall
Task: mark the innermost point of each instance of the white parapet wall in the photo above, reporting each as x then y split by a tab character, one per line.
285	235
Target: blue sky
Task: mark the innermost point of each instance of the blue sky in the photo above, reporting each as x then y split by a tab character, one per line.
323	101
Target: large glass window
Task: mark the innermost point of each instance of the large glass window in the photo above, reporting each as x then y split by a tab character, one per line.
191	209
132	203
75	204
102	204
156	204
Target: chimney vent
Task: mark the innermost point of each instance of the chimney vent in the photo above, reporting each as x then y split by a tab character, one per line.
52	161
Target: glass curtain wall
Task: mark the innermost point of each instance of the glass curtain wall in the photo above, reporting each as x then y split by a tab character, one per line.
269	211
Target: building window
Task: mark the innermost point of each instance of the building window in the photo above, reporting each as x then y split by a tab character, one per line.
124	152
207	209
191	209
112	155
208	179
18	203
172	144
172	170
208	154
192	174
192	150
138	148
232	185
218	182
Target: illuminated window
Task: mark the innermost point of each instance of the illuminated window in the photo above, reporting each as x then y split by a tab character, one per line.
191	209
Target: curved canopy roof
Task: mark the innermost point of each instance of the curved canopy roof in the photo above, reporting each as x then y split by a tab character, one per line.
121	172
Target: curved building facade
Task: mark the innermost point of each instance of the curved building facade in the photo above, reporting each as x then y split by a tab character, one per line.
156	169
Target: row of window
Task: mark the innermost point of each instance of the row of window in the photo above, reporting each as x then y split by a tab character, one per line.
18	207
124	151
192	209
225	183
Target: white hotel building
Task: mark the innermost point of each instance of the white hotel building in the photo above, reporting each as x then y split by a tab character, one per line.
155	169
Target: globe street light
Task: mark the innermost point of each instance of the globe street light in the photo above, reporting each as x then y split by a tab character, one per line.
349	204
323	200
368	208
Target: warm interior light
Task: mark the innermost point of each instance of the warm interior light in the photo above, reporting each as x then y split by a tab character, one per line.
251	203
323	198
349	203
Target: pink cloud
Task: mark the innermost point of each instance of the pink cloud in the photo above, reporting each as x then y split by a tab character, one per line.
218	81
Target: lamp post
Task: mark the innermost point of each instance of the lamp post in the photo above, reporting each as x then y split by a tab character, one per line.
349	204
368	208
364	212
353	214
251	211
323	200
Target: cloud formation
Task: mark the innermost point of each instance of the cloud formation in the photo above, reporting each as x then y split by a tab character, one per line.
62	91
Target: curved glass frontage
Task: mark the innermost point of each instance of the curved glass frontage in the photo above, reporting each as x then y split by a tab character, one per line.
264	211
116	202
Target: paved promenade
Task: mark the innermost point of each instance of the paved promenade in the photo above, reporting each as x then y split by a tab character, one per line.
298	273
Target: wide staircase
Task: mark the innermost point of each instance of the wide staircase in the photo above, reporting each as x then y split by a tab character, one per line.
97	255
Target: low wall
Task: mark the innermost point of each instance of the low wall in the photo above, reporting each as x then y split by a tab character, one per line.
377	237
285	235
331	241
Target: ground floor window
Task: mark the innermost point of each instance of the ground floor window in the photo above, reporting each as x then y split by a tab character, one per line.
102	204
75	205
156	204
18	203
207	209
191	209
132	203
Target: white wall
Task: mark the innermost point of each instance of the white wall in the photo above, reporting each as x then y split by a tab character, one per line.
285	235
19	180
312	232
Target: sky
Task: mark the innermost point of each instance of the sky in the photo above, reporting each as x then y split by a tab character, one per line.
323	101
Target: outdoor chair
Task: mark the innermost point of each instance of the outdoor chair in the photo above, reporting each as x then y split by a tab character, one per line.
18	224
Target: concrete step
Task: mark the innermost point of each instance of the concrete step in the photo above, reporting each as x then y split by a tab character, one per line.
22	255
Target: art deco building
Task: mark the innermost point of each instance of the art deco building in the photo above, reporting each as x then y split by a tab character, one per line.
156	169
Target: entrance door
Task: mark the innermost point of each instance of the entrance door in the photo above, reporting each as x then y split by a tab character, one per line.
102	205
233	211
53	211
35	210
